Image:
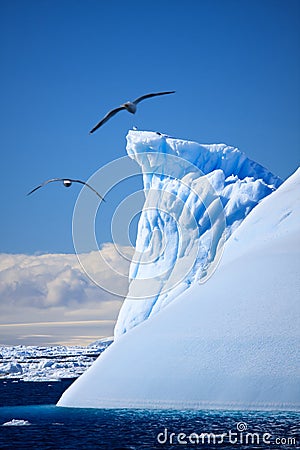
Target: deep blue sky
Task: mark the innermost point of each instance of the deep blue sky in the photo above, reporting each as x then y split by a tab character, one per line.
234	64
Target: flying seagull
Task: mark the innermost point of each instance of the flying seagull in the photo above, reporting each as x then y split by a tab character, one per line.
67	182
130	106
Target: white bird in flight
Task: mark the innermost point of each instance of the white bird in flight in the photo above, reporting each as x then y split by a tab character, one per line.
130	106
67	182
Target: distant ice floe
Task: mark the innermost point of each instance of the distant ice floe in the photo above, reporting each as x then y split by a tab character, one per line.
16	423
30	363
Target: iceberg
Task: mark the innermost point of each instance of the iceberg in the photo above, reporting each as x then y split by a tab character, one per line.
210	320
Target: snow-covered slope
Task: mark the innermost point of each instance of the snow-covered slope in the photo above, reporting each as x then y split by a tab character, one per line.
231	342
196	196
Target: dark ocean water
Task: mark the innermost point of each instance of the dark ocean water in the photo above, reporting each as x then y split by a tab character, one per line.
72	428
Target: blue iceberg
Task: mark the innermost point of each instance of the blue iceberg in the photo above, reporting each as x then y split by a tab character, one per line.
210	319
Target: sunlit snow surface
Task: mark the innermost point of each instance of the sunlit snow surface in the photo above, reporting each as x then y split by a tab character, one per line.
231	342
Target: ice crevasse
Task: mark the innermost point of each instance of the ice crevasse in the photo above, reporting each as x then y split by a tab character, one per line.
210	315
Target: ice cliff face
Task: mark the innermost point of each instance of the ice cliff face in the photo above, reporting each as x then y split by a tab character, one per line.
195	197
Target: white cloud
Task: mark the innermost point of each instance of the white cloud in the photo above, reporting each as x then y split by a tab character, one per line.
54	287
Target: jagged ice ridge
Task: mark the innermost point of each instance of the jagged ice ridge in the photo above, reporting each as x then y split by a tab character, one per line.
195	197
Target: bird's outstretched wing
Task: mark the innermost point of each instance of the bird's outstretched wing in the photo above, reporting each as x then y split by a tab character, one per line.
107	117
89	186
44	184
143	97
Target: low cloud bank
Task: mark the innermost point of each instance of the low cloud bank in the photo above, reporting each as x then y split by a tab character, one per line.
56	288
